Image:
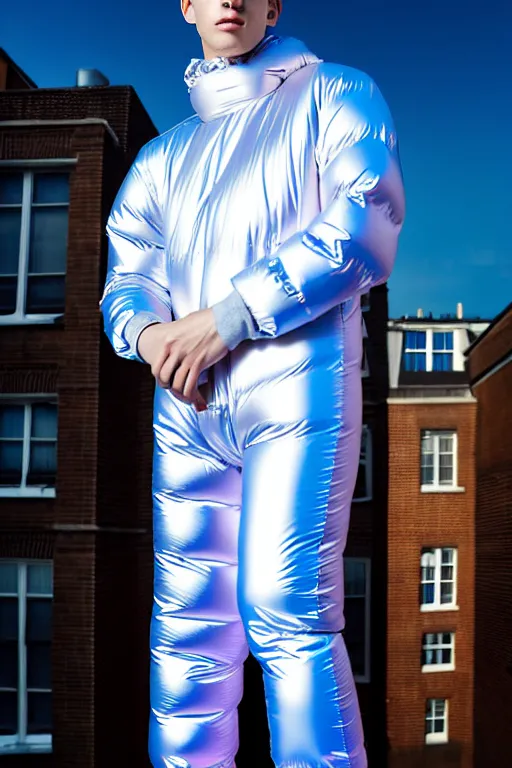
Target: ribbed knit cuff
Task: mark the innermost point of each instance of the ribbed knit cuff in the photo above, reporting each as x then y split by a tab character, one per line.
134	328
234	321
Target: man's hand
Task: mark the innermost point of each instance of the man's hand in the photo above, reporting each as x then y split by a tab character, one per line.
177	353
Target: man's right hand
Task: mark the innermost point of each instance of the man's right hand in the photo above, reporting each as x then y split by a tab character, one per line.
179	351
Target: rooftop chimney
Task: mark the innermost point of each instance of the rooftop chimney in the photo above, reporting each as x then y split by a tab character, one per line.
88	77
419	313
460	312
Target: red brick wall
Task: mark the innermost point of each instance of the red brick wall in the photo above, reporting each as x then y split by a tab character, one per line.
102	578
419	520
493	636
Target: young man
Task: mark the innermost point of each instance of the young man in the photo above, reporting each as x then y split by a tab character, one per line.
240	243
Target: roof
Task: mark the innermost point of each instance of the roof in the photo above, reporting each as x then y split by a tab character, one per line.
23	75
489	328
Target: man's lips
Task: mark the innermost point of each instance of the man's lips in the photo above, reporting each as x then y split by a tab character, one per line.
230	22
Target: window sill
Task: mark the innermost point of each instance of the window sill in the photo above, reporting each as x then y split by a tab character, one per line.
433	607
442	489
438	739
27	493
438	668
30	319
25	749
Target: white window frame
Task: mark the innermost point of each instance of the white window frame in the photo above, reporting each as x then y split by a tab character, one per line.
437	486
22	742
366	434
437	605
365	678
441	351
28	169
441	737
429	348
23	490
439	645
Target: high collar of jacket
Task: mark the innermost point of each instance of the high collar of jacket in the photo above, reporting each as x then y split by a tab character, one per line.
226	90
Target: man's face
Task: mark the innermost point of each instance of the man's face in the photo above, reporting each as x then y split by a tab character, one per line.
230	39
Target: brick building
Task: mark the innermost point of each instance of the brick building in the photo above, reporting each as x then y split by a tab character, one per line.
75	508
431	540
490	372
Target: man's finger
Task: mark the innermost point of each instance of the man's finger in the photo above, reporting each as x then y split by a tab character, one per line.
168	370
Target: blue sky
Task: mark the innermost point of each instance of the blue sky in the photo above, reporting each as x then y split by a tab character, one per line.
445	67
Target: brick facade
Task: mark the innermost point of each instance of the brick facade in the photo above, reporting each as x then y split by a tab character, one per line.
417	520
490	368
97	530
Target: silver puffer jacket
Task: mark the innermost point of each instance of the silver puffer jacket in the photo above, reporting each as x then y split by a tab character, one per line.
285	185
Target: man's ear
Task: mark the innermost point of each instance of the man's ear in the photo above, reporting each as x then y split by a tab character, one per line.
188	11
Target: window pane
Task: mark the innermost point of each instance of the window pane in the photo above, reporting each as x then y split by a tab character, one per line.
438	726
427	444
8	578
427	475
354	633
45	295
8	289
44	420
446	444
429	639
8	713
8	619
442	361
446	592
9	665
43	463
51	187
361	490
447	556
446	475
355	578
39	620
39	579
415	361
446	637
11	188
447	572
39	670
12	419
10	229
446	656
439	707
427	592
48	240
39	715
11	462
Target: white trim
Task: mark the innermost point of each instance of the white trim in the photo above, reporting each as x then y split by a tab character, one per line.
27	401
432	400
26	206
27	492
436	435
438	738
21	742
39	162
437	605
442	489
450	667
45	123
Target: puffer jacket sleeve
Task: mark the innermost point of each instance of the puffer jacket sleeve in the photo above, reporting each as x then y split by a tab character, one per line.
351	244
136	291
